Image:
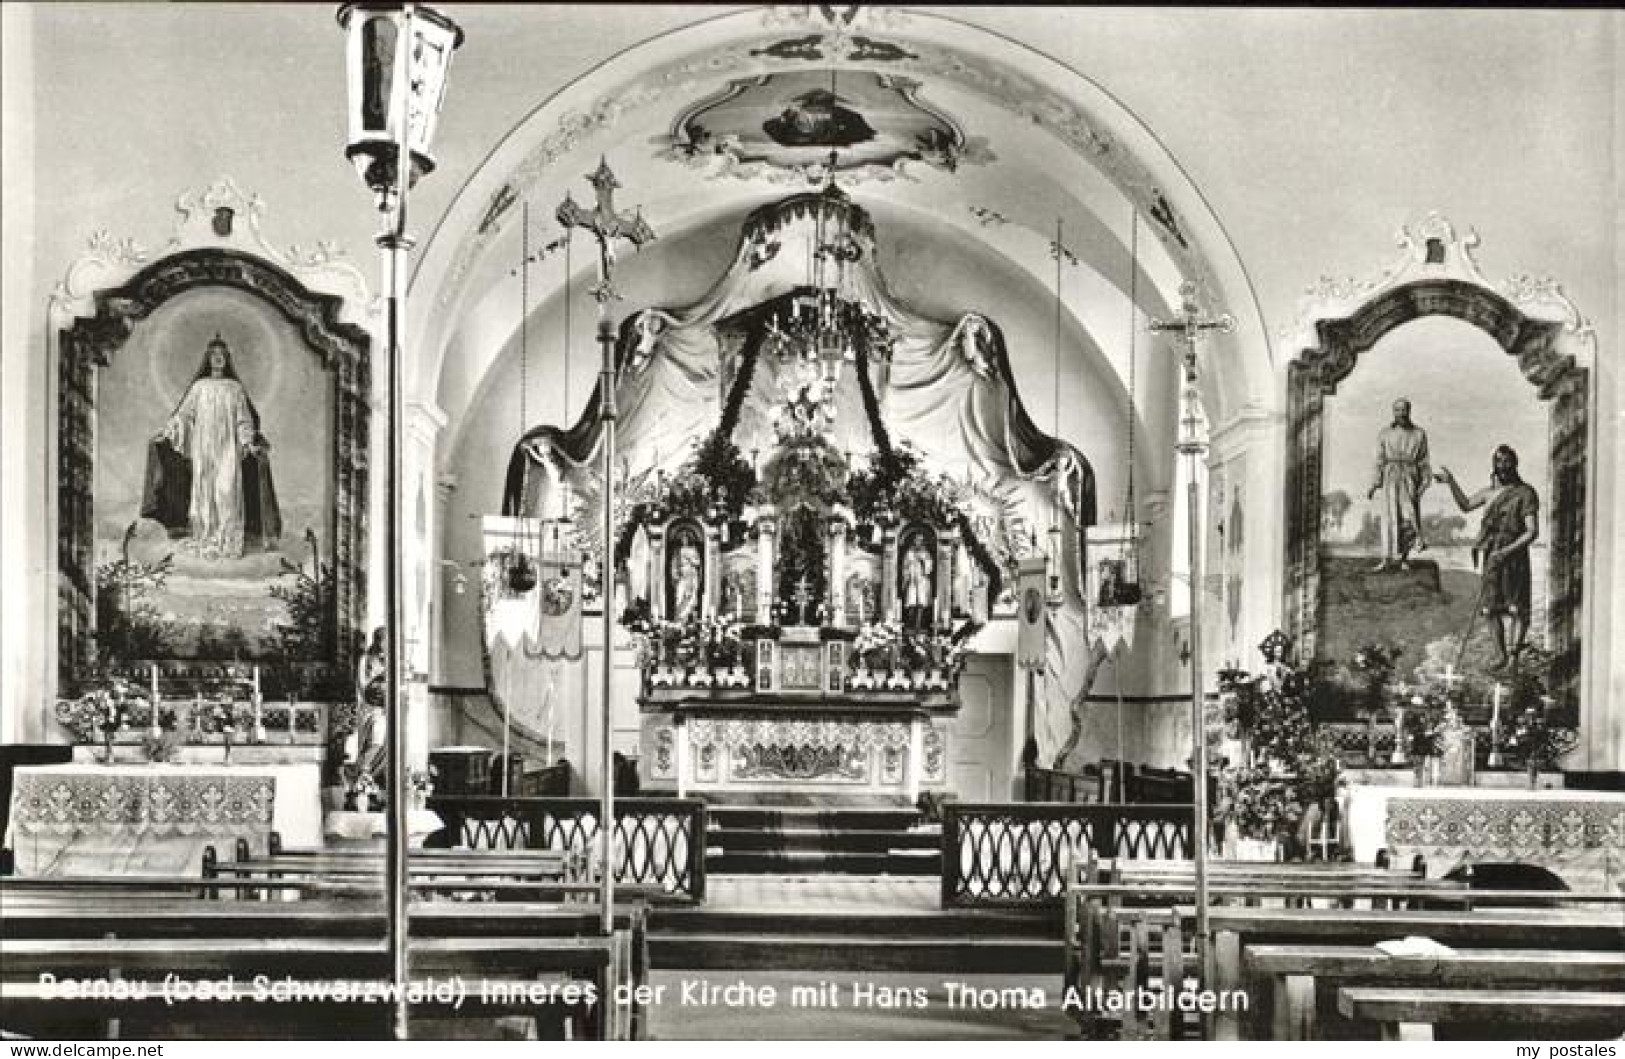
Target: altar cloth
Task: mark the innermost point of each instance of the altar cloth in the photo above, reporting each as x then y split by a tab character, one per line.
156	819
1579	835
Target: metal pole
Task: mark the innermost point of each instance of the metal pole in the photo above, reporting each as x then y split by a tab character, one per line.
1193	447
606	567
395	244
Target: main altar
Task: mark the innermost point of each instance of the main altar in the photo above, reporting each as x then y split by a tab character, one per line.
823	501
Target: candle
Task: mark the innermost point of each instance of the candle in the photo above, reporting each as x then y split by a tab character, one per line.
152	719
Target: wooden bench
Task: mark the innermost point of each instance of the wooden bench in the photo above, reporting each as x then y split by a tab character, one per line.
1099	943
1297	982
316	1007
1234	928
1411	1014
180	934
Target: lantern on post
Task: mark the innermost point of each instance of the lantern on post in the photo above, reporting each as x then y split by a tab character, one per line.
396	57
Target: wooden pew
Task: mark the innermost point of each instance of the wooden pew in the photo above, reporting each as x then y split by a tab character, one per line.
1104	885
307	937
319	1007
1298	982
1411	1014
1111	927
1500	928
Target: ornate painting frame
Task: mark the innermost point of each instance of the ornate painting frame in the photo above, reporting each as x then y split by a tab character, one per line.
87	344
1532	322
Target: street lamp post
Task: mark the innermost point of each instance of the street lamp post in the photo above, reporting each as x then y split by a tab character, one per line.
397	56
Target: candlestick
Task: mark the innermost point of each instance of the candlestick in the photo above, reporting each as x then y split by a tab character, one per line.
1495	760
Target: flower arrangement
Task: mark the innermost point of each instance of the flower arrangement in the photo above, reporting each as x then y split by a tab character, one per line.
873	645
1374	665
419	786
1425	724
1291	762
1530	739
164	741
100	713
363	795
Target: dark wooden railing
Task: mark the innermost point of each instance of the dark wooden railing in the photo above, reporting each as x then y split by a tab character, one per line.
1140	784
658	841
1019	854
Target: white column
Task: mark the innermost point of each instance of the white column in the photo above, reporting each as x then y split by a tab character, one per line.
915	767
1249	450
837	572
679	726
420	499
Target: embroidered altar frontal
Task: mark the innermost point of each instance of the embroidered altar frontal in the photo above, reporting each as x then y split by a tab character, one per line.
1580	835
856	754
141	819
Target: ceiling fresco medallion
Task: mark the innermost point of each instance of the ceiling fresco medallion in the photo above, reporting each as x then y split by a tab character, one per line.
789	126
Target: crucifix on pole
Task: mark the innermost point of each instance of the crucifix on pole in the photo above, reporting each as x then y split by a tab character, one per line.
1189	326
606	226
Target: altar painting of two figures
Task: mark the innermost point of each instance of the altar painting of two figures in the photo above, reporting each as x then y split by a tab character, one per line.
214	487
1432	396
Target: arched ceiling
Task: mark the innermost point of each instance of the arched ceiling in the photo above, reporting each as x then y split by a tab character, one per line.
948	126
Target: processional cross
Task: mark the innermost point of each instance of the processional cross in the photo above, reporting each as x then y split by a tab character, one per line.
1189	326
606	226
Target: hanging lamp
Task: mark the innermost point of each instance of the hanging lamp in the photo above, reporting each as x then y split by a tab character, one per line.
1126	591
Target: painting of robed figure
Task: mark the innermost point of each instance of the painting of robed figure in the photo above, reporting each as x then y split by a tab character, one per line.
223	515
208	478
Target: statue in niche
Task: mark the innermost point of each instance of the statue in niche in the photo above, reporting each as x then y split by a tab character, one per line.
1401	478
1510	525
686	568
918	593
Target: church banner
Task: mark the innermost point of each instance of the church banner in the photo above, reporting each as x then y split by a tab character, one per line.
1112	586
1032	615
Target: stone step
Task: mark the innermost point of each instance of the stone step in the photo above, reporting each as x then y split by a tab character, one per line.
933	924
817	861
817	838
763	818
859	952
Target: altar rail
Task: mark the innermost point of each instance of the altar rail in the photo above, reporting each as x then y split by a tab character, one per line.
1018	854
1141	784
659	841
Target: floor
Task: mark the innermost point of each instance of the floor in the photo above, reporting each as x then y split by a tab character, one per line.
824	1006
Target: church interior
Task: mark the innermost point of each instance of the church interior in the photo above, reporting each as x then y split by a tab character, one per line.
839	522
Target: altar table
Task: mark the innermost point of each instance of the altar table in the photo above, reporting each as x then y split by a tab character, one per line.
1579	835
155	819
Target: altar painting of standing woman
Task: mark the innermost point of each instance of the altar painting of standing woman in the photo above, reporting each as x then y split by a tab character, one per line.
1401	561
214	481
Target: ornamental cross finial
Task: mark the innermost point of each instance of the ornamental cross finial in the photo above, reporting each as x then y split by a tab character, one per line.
606	226
1190	325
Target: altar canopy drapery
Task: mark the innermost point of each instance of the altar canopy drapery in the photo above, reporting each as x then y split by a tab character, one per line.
946	391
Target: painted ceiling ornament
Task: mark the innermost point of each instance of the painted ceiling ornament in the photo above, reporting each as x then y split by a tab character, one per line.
786	124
